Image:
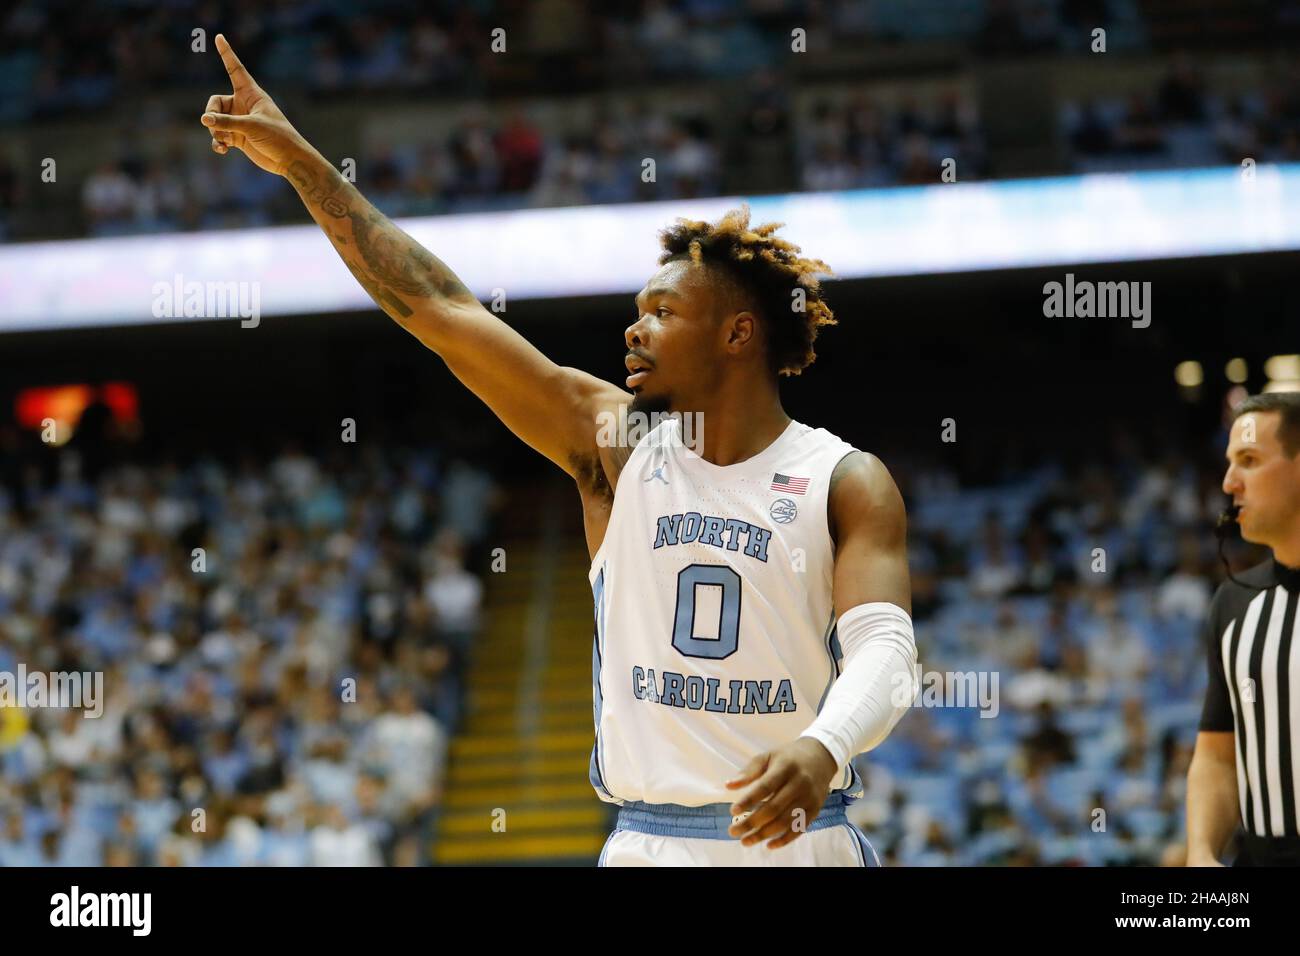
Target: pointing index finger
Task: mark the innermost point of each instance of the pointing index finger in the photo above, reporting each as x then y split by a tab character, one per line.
239	77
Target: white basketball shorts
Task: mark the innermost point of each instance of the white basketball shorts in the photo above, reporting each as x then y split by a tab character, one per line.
669	835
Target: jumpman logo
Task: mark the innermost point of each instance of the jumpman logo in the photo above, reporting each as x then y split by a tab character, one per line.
658	473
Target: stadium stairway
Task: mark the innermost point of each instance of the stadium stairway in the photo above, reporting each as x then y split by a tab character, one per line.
516	789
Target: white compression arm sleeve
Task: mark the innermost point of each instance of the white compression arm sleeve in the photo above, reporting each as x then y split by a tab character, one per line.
879	682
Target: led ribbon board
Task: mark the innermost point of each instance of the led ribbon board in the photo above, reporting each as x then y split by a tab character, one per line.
595	250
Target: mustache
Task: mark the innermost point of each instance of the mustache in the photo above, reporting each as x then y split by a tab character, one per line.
633	353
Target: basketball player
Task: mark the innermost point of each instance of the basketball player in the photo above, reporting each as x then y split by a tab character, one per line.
753	628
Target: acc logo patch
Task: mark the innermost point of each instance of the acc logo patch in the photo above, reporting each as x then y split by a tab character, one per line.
783	511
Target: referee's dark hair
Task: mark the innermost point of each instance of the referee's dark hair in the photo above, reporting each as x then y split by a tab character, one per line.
1288	405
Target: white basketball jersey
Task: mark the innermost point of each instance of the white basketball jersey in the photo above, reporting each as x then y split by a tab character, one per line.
715	632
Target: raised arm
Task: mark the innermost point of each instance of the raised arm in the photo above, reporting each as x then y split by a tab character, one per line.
552	408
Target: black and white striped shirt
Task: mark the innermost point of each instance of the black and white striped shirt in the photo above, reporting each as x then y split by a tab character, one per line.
1253	642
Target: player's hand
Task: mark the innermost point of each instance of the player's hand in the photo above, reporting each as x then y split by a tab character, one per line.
786	788
1202	859
249	120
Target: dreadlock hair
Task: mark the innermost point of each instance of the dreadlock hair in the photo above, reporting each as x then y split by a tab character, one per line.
767	267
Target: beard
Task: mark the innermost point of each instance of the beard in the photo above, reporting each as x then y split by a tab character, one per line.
650	404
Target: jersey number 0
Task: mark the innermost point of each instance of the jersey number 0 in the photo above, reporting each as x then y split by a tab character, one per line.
684	639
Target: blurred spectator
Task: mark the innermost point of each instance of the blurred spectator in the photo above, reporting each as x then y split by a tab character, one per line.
1182	93
455	595
109	199
411	747
337	842
519	153
1048	745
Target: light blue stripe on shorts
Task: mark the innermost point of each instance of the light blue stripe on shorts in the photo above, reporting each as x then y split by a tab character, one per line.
867	851
709	822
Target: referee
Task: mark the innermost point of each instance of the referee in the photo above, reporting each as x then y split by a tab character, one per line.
1246	768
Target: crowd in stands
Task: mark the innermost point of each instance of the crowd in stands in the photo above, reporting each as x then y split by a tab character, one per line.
57	63
61	58
861	144
282	644
1184	123
505	161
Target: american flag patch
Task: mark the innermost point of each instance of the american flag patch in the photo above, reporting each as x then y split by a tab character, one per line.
795	486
